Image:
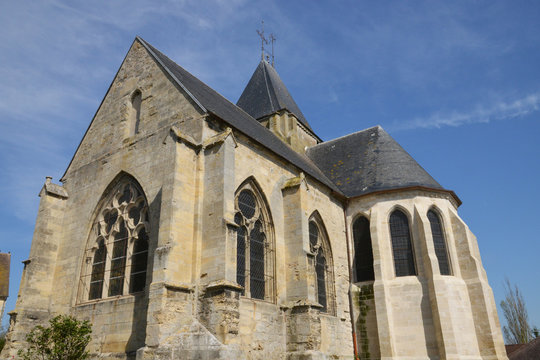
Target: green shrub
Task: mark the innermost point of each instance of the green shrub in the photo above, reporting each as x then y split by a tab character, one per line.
64	339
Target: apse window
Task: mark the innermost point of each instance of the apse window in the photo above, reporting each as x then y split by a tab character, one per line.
401	244
439	242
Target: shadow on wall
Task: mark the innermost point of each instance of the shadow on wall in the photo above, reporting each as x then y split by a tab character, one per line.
137	338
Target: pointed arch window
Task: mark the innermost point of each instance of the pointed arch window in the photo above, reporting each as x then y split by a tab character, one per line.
117	252
401	244
439	242
135	115
363	251
254	244
323	265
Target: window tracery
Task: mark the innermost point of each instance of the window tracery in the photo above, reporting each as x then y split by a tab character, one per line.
117	254
323	265
254	245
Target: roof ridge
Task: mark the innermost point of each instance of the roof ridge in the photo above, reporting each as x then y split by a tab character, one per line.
210	101
345	136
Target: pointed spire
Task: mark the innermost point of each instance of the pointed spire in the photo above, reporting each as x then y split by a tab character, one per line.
266	94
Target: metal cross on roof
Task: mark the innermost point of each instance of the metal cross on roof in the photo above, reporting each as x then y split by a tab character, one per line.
264	40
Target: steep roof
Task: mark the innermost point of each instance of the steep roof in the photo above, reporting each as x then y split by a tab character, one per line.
369	161
211	101
265	94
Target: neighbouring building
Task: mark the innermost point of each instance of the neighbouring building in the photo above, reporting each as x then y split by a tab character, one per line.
188	227
5	260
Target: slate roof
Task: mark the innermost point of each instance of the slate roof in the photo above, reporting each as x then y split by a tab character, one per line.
211	101
357	164
369	161
265	94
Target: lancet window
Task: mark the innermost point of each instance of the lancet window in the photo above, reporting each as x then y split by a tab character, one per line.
117	253
439	242
254	244
363	251
401	244
135	115
323	266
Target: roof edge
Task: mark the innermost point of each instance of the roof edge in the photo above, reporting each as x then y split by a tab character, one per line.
62	178
346	135
409	188
156	58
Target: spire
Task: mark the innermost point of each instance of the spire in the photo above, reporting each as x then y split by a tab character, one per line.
266	94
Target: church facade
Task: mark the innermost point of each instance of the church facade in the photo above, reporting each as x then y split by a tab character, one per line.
189	227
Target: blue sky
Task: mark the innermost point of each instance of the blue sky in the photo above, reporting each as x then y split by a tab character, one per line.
457	84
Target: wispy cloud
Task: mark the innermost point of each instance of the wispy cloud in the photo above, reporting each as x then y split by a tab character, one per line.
502	110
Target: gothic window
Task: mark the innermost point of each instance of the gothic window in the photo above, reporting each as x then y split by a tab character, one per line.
135	115
401	244
117	254
363	252
323	267
439	242
254	245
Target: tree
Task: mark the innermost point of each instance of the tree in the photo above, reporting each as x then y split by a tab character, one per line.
65	339
517	330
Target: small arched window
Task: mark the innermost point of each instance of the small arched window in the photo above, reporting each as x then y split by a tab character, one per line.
439	242
118	247
401	244
363	252
135	115
323	265
254	245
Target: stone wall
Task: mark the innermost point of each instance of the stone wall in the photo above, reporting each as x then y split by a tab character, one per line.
428	315
190	166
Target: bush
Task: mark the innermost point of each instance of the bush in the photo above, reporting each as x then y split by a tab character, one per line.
65	339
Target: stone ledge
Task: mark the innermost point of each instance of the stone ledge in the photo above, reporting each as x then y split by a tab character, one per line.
220	285
180	287
301	304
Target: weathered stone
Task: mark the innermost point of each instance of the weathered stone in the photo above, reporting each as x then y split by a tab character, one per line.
190	165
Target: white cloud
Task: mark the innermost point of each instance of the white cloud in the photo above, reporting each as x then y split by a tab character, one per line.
502	110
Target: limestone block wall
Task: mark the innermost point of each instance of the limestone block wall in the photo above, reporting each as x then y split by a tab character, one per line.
428	315
294	277
287	127
165	171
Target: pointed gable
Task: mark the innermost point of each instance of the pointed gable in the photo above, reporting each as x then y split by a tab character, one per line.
369	161
211	101
266	94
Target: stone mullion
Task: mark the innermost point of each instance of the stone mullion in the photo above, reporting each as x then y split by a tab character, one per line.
247	266
129	253
107	271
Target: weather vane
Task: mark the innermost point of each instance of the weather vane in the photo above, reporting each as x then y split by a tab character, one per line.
264	41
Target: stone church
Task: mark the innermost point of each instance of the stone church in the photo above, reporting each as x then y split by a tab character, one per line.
188	227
